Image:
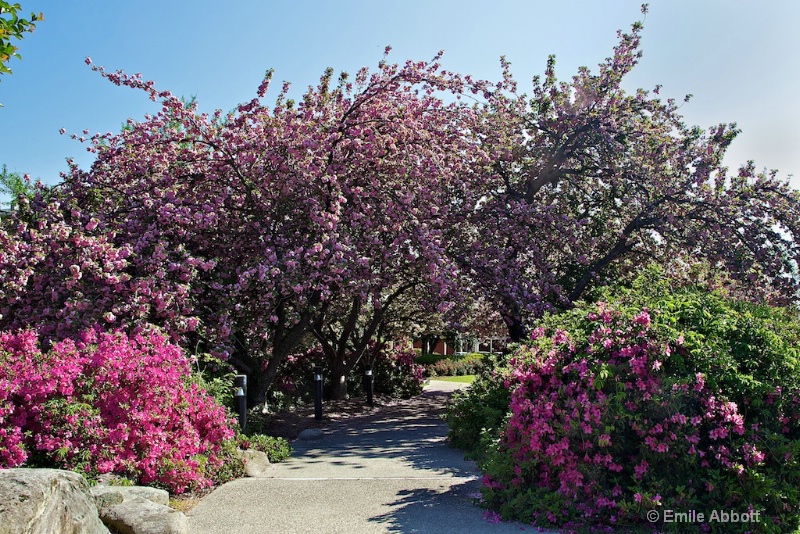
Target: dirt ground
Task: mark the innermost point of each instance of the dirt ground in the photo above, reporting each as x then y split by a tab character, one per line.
288	424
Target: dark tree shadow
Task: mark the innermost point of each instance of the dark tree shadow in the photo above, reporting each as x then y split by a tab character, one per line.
450	510
412	431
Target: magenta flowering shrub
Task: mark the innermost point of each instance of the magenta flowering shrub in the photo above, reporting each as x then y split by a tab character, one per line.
619	409
109	403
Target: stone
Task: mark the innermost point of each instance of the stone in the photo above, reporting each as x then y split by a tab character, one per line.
46	501
310	434
116	494
138	515
105	497
256	463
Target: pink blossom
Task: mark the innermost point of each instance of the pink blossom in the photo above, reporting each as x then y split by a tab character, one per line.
146	375
640	469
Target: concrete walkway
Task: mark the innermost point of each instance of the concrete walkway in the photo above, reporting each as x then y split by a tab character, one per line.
385	472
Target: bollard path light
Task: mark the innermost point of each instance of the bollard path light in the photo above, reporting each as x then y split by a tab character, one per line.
241	408
368	384
240	383
318	392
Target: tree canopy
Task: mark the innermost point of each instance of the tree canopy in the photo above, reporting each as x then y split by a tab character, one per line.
252	233
590	183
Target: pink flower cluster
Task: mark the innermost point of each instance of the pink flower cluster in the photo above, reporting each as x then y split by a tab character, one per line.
599	426
109	403
63	272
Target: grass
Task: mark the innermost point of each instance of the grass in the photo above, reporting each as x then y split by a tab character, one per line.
467	379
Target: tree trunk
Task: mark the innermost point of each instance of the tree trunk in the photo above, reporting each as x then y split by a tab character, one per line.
513	320
342	361
516	330
429	344
285	340
339	374
341	365
622	247
267	375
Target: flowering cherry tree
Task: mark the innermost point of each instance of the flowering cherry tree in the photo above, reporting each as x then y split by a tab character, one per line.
62	272
398	204
270	220
590	182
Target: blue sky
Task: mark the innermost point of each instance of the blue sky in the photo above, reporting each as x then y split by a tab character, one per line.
738	57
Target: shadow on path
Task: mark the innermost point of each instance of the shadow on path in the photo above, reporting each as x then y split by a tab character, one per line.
390	470
406	439
446	510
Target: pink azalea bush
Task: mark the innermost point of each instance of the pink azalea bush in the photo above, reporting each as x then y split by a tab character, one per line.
653	401
109	403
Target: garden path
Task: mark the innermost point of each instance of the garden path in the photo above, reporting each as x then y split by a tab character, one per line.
388	471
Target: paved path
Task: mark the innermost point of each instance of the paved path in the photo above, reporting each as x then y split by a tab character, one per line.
386	472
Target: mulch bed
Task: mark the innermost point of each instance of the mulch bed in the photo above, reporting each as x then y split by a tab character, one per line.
289	423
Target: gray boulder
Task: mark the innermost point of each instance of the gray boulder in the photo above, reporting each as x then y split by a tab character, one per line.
139	515
107	496
46	501
256	463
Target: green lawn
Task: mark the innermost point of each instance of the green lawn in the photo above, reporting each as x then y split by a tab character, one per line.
467	379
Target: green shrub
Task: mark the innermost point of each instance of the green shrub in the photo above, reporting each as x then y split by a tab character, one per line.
277	449
429	359
477	413
454	365
232	466
216	377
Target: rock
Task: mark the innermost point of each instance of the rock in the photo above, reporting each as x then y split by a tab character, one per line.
116	494
105	497
310	434
138	515
256	463
46	501
50	501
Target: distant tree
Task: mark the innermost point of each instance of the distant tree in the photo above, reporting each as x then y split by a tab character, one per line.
15	186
